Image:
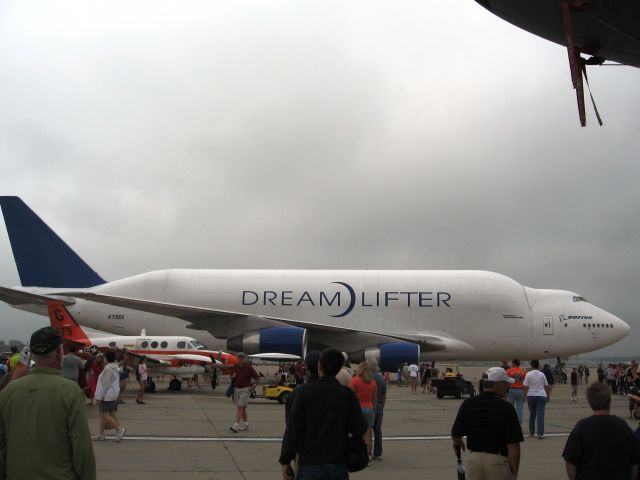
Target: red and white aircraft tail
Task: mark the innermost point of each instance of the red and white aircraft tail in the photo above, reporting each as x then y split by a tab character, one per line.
61	320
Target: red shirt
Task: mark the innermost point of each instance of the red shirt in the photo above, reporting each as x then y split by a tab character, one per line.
243	375
518	375
366	392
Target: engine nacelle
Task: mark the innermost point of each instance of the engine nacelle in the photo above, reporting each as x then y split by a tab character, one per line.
389	355
290	340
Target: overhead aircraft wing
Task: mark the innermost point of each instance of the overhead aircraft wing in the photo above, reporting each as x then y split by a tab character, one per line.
214	320
19	297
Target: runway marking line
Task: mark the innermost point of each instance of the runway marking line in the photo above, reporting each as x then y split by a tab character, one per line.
279	439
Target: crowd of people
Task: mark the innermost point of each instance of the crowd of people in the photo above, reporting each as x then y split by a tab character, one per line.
336	410
600	446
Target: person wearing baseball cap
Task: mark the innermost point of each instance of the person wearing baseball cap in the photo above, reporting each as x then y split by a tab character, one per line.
245	378
43	418
492	429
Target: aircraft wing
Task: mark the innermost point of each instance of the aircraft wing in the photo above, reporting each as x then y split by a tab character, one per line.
153	361
216	322
275	357
189	357
19	297
184	312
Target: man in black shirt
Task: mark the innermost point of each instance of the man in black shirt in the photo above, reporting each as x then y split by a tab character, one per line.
602	445
322	416
492	429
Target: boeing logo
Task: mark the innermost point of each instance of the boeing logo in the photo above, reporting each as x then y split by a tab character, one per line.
347	298
562	318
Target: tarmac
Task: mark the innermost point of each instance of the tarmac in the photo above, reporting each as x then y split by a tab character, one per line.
186	435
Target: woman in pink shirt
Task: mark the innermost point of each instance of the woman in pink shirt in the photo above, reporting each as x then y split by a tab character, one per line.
365	389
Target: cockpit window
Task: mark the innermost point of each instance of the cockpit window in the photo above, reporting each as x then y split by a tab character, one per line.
579	299
195	345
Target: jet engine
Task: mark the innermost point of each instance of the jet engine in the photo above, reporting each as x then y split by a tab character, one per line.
290	340
389	355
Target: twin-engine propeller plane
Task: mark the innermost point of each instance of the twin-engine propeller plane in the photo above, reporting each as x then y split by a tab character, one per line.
396	316
602	29
177	356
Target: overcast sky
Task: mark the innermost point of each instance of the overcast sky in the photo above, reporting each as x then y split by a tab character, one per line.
289	134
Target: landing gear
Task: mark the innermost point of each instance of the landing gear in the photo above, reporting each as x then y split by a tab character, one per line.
151	386
175	385
577	64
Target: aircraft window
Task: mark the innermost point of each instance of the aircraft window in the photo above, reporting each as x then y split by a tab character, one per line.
154	344
579	299
112	344
194	345
182	344
144	344
164	344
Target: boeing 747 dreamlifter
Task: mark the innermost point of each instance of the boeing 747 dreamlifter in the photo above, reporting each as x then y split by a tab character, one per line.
395	315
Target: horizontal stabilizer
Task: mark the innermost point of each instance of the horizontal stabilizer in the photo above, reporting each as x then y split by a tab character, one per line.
42	257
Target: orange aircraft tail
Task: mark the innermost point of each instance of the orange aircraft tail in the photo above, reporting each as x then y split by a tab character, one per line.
62	321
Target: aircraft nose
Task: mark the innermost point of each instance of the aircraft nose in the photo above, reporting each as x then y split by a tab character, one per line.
624	327
621	328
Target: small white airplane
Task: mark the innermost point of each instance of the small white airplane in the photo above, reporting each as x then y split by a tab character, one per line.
177	356
396	316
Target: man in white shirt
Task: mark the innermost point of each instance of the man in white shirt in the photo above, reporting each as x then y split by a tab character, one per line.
536	389
413	377
345	374
107	391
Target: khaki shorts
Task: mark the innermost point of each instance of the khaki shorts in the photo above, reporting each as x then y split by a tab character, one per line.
487	466
241	396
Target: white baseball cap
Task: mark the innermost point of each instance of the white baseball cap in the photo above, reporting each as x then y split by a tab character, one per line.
498	374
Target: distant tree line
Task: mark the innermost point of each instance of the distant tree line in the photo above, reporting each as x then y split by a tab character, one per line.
4	345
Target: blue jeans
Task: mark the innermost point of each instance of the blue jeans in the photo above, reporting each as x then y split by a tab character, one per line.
516	398
536	410
323	472
377	434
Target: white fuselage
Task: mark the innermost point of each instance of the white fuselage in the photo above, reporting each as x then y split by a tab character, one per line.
479	314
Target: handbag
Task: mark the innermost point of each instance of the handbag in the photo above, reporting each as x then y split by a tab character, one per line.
357	454
230	388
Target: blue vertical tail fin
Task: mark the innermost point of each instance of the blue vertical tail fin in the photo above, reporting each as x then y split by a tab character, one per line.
42	257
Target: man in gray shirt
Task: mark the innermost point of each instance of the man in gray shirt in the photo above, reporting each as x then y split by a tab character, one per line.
71	365
381	398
